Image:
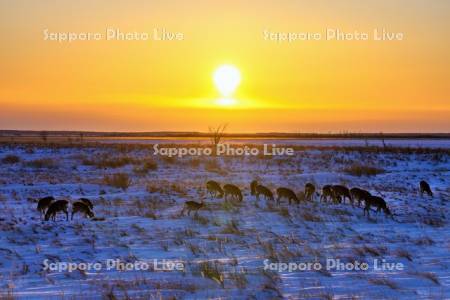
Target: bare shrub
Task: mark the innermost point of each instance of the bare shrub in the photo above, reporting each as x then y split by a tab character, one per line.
428	275
211	270
118	180
146	168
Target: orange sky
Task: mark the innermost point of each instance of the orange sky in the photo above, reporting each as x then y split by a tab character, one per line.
303	86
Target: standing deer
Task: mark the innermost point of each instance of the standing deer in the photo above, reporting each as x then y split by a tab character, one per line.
192	206
214	189
262	190
358	195
310	189
327	193
425	188
283	192
377	202
233	191
55	207
82	207
43	205
341	192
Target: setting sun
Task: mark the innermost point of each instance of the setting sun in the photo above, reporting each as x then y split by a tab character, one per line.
227	78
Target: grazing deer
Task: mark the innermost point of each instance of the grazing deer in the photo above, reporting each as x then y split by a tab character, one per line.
87	202
253	186
358	195
233	191
43	205
310	189
425	188
192	206
341	192
82	208
377	202
262	190
214	189
55	207
283	192
327	192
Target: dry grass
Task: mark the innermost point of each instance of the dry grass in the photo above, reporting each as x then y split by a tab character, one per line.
11	159
118	180
362	170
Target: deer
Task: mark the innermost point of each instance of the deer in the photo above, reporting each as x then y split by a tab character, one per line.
425	188
310	189
43	205
260	189
358	195
283	192
55	207
82	207
192	206
233	191
87	202
214	189
341	192
327	192
377	202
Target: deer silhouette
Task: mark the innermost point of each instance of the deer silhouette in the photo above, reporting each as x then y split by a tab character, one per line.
55	207
425	188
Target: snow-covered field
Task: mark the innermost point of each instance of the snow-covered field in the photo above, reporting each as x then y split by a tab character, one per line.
225	247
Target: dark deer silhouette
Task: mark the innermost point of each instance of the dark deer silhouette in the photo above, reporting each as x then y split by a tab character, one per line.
310	189
87	202
82	207
341	192
377	202
55	207
43	205
283	192
327	193
425	188
358	195
192	206
233	191
214	189
262	190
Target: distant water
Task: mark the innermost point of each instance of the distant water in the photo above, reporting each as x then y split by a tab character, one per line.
414	143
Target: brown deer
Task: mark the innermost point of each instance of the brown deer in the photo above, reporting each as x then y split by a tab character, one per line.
327	193
310	189
82	207
358	195
377	202
341	192
262	190
55	207
425	188
87	202
283	192
43	205
233	191
214	189
192	206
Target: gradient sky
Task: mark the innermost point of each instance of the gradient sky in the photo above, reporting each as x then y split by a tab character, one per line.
306	86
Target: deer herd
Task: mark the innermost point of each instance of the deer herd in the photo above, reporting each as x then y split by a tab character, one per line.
48	207
330	193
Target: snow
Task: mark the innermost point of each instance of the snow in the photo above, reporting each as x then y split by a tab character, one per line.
143	223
